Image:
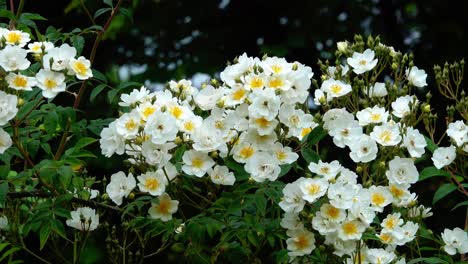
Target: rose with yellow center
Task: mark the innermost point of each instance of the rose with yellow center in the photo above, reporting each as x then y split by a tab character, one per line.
375	117
149	110
262	122
386	238
151	184
349	228
13	37
20	81
197	163
305	131
80	68
163	206
301	242
336	89
50	84
189	126
256	83
275	83
176	111
276	68
333	212
238	94
385	136
281	155
246	152
313	189
130	124
377	199
396	192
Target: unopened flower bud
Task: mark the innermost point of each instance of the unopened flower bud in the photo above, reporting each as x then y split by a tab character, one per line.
21	101
427	108
131	196
342	46
178	140
358	169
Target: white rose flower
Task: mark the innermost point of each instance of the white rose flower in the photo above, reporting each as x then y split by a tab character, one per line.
265	103
455	240
300	242
444	156
403	105
162	127
372	115
416	77
153	182
13	58
402	171
335	88
136	96
111	142
164	209
313	189
84	218
50	82
120	186
208	96
196	163
363	149
5	141
387	134
292	201
20	82
351	230
16	37
414	142
8	107
59	57
221	175
458	132
263	166
325	169
40	47
362	62
378	90
80	67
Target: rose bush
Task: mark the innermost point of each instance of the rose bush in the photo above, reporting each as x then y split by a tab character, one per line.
247	167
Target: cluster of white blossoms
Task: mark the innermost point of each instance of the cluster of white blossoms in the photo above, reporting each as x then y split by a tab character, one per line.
348	209
17	56
245	118
378	132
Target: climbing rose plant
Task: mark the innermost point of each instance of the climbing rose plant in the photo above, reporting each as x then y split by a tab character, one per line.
264	163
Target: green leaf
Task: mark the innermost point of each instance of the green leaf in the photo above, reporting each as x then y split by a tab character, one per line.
238	169
65	175
431	146
7	13
78	43
127	13
44	234
99	76
285	169
315	136
443	191
309	155
3	192
51	122
58	228
84	141
432	171
260	202
96	91
101	11
465	203
108	2
431	260
32	16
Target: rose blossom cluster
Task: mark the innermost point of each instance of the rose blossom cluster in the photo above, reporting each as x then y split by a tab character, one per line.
246	117
378	132
18	53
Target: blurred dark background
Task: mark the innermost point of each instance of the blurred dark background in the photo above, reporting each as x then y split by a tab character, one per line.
171	39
